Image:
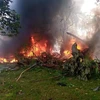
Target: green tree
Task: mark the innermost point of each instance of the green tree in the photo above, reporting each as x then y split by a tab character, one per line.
9	19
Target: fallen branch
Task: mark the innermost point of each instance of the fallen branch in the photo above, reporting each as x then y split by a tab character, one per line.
25	71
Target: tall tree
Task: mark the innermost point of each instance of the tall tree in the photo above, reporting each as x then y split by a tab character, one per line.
9	19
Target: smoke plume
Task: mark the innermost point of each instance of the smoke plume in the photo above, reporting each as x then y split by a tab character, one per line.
36	17
52	19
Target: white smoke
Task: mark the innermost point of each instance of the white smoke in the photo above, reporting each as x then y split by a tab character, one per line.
88	27
81	18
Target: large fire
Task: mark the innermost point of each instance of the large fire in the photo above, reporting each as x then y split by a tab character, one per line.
84	30
37	47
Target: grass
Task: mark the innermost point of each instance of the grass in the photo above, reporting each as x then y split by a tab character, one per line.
37	84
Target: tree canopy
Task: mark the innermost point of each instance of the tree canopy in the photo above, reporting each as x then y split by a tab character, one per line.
9	19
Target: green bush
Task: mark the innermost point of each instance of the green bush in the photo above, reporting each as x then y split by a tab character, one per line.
84	69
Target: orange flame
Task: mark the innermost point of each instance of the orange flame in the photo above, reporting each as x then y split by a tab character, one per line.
42	45
80	46
5	60
39	47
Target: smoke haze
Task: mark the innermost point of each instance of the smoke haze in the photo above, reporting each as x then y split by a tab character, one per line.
51	18
36	17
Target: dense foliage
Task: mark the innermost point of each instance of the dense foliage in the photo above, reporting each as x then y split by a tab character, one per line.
9	19
84	68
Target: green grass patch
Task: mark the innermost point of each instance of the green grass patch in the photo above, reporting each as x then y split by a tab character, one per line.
38	84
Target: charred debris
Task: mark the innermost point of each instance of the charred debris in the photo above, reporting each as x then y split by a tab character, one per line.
80	65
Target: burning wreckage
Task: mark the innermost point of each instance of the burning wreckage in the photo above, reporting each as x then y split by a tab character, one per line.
70	54
76	61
